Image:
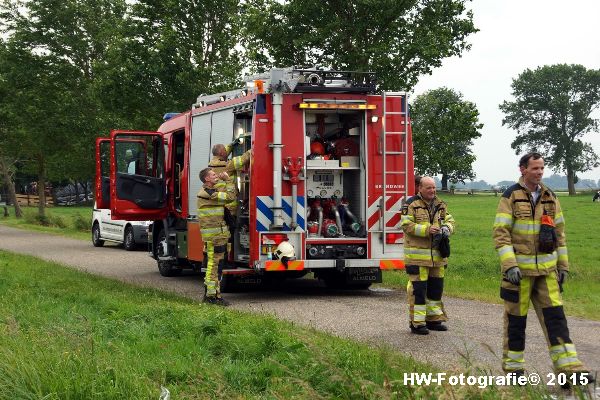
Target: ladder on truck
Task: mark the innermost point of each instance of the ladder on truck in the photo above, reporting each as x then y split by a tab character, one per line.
402	118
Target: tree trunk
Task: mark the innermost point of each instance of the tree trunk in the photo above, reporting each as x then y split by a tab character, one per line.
10	184
41	186
85	191
571	181
76	184
444	181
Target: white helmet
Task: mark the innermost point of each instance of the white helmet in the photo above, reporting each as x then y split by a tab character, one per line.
285	252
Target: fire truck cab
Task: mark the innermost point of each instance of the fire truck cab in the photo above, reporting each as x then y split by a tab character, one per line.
331	164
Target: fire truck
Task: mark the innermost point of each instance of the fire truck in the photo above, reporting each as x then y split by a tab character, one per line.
331	164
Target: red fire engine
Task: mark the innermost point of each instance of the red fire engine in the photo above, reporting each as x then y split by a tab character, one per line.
332	162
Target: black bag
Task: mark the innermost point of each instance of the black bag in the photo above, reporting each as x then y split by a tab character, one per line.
547	239
444	246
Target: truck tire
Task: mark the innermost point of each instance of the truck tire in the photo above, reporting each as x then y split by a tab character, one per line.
128	239
165	268
227	284
96	241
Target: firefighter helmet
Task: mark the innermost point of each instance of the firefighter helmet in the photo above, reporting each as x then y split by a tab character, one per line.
285	249
317	148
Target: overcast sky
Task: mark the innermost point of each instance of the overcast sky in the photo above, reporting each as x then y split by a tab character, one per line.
515	35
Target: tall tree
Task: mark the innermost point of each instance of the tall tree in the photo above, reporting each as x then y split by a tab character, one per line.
170	52
552	111
444	126
53	49
398	39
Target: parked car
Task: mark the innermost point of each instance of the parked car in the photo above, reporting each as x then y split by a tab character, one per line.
129	233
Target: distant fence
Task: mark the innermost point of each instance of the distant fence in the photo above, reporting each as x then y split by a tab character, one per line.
31	200
462	191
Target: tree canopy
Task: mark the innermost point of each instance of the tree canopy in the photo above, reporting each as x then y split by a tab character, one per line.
552	111
72	70
397	39
444	127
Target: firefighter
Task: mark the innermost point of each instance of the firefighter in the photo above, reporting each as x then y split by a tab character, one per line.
529	234
425	221
219	163
130	161
214	230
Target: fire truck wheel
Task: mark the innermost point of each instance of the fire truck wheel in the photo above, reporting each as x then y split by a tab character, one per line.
96	241
227	284
128	239
167	269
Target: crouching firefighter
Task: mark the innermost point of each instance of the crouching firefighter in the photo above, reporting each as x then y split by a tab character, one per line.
530	240
427	225
214	230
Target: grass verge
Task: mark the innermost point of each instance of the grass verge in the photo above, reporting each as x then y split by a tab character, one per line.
65	334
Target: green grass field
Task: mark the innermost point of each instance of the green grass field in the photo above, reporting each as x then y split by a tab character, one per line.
65	334
474	269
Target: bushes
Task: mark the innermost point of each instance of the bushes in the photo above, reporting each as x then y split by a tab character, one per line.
56	219
80	223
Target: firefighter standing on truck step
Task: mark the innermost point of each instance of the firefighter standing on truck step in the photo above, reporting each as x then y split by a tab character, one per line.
214	230
529	234
425	222
219	163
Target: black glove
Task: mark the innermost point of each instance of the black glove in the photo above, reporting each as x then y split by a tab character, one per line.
444	246
562	276
236	142
513	275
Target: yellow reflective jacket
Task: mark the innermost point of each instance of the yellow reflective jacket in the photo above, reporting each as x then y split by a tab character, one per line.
517	229
211	213
231	167
417	217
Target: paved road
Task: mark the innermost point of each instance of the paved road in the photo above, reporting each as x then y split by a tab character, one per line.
377	317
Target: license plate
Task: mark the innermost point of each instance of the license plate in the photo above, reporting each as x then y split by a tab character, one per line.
372	275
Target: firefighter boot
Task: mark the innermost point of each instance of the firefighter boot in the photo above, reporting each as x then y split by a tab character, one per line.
515	377
218	301
436	326
419	330
578	378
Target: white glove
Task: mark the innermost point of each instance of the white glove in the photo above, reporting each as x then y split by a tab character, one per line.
445	231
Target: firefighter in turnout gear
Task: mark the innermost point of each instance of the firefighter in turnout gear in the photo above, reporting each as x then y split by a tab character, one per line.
219	163
214	230
425	221
529	234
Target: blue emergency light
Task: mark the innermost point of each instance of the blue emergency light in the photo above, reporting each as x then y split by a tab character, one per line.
169	115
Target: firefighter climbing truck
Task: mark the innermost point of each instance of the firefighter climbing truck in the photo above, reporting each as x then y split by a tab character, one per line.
331	164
